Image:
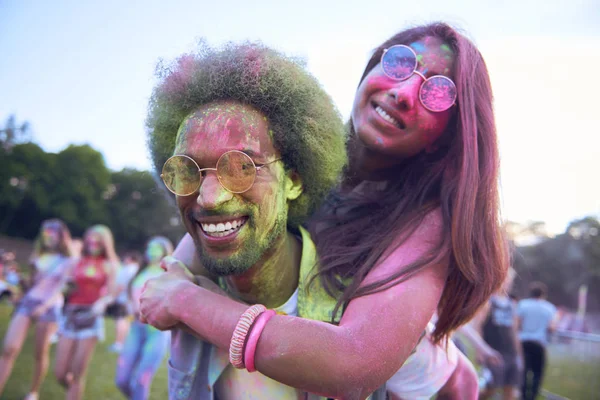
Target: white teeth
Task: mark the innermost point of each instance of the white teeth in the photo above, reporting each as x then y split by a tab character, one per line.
222	229
387	116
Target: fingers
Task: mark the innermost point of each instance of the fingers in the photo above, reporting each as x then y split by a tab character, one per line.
497	361
171	264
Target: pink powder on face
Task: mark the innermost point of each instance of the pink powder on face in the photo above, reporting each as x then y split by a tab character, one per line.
378	81
219	126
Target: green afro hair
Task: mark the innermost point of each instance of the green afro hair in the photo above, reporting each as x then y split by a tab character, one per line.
306	127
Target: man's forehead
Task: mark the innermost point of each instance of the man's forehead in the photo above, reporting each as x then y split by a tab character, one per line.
225	126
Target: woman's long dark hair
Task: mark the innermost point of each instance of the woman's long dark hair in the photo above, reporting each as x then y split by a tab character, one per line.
460	179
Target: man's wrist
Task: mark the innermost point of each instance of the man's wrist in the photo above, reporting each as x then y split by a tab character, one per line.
179	297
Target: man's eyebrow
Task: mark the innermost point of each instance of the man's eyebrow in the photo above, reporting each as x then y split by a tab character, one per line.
253	154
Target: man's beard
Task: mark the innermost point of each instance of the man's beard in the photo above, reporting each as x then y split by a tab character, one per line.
248	255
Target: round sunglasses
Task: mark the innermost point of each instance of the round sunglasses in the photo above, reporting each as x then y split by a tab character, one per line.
437	93
235	169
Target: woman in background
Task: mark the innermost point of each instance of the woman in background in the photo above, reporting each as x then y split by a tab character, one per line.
145	346
41	304
120	310
82	324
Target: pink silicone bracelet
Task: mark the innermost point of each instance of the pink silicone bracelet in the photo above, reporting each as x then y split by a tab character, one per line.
238	339
253	337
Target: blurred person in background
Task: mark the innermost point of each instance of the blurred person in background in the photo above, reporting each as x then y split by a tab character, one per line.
145	346
120	310
498	323
91	282
537	319
10	277
76	247
41	304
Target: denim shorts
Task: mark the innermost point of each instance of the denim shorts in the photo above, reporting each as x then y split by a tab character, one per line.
27	305
96	330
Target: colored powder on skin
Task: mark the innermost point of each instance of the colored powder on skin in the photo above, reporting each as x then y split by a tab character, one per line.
417	47
216	119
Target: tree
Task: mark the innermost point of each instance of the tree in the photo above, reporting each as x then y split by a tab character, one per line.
25	180
564	263
76	186
81	178
12	133
138	209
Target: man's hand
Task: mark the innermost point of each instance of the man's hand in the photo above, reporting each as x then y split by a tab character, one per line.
161	295
172	264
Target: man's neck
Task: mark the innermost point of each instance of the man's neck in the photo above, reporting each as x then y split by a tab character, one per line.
272	280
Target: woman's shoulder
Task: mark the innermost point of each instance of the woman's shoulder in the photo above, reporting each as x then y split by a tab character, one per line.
428	229
416	245
110	266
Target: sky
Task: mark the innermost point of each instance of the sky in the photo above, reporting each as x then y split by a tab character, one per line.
82	72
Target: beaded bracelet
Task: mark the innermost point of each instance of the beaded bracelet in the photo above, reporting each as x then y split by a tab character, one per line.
236	347
252	341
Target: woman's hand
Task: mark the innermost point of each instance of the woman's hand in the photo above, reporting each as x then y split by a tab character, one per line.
99	307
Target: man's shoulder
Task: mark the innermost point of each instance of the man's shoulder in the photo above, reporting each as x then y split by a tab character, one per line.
549	306
309	250
524	304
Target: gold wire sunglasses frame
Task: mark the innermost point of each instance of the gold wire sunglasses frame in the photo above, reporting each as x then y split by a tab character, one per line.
236	172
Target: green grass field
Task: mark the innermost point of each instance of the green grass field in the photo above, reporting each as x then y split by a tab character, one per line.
573	371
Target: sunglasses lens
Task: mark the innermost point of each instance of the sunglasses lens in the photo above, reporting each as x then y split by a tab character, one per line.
399	62
180	175
438	93
236	171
